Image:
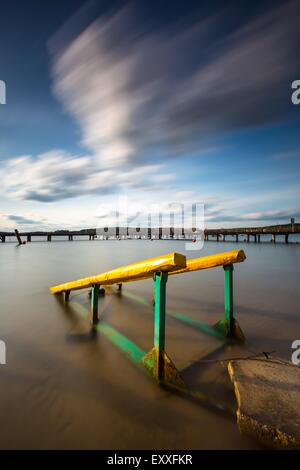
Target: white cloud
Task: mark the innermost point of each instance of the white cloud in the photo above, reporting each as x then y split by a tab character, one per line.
56	175
133	90
139	94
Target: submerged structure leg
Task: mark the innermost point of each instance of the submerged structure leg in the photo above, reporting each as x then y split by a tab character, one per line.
156	361
94	304
229	325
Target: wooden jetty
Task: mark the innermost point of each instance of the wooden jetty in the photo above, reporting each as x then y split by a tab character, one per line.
91	233
254	233
219	234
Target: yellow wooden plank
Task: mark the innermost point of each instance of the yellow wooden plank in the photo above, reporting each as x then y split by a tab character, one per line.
212	261
132	272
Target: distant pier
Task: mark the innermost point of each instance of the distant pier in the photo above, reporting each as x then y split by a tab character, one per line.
243	234
253	233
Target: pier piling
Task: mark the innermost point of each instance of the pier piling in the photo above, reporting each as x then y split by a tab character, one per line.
219	234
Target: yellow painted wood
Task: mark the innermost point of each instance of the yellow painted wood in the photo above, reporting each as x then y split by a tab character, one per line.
212	261
132	272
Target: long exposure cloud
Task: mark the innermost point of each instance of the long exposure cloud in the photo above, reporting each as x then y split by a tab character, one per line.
140	95
130	89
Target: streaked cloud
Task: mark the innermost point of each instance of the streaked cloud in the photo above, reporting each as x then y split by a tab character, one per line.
22	220
132	90
56	175
278	216
141	96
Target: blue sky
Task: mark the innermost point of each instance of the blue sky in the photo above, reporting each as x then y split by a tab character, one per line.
160	103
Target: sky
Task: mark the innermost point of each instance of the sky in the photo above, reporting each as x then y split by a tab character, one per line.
155	103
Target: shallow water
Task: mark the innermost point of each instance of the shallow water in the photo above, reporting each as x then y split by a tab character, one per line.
63	388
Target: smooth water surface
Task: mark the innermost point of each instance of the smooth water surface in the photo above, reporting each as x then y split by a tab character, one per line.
65	388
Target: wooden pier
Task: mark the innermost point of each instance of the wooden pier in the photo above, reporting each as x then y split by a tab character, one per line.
91	233
253	233
240	234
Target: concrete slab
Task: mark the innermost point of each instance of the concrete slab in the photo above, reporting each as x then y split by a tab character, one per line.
268	396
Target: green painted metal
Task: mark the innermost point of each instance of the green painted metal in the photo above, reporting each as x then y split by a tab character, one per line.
224	329
226	325
229	326
182	317
154	361
160	280
94	304
200	325
137	298
134	353
228	293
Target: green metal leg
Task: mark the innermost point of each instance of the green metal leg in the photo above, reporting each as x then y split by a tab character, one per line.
94	304
156	361
228	295
160	280
228	325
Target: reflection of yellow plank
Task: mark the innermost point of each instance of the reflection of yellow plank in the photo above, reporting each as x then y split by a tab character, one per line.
211	261
132	272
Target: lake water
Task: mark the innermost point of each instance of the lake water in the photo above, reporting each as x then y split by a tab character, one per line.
63	388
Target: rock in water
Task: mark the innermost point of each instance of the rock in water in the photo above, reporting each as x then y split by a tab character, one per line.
268	395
